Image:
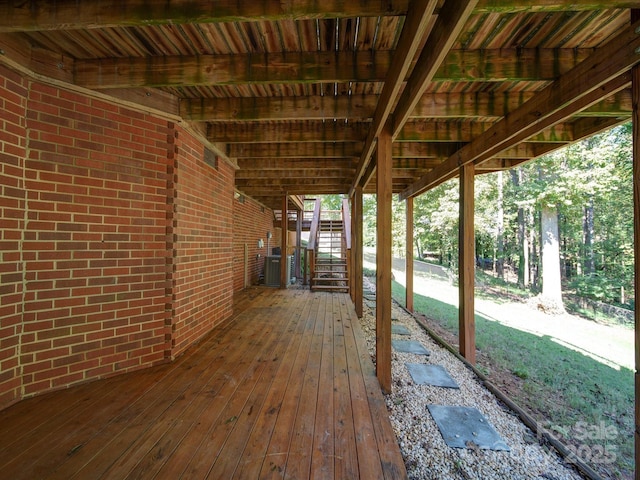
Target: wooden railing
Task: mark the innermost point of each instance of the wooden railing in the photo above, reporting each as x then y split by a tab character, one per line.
346	238
312	245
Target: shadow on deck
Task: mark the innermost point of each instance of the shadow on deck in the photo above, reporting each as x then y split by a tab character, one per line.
284	390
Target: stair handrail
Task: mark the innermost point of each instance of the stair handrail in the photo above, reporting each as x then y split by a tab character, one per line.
313	238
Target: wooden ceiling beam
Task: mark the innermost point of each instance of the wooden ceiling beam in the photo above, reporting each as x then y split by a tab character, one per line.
605	72
585	127
451	20
208	70
464	132
270	195
314	131
413	32
19	16
296	150
497	164
329	67
35	15
440	150
444	150
515	6
440	38
266	164
359	108
296	186
489	105
356	107
259	175
321	164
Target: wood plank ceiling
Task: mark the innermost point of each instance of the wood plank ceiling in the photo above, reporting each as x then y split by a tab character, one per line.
296	92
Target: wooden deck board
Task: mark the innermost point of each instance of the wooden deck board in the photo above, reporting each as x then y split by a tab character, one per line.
284	390
279	446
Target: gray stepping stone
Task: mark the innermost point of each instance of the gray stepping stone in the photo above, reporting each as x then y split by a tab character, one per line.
370	304
466	427
435	375
400	329
409	346
370	297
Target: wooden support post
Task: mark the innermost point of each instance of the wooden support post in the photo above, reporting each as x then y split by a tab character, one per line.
356	245
635	97
284	278
409	256
352	257
466	265
384	192
298	250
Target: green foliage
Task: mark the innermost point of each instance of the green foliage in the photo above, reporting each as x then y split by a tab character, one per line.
436	221
331	202
596	287
594	176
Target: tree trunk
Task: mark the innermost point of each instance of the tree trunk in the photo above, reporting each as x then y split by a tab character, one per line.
419	248
523	240
589	264
551	299
500	228
534	257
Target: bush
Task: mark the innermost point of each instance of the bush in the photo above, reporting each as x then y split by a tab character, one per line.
596	288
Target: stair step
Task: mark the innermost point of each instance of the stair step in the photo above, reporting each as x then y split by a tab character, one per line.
328	288
323	280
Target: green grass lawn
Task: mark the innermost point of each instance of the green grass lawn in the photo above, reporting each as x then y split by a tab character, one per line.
581	399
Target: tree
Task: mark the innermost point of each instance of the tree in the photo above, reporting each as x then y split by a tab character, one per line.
523	239
551	299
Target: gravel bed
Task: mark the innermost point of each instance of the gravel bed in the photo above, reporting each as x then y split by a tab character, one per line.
423	448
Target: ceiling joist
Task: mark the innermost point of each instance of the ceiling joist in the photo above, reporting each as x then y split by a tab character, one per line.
330	67
296	92
43	15
602	74
440	38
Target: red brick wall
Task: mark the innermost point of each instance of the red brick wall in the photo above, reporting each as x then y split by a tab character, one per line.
116	239
83	238
202	230
12	212
95	248
251	222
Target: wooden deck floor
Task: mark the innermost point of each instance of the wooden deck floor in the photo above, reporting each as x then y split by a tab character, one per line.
285	390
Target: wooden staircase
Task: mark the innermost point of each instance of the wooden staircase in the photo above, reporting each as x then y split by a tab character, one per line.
330	272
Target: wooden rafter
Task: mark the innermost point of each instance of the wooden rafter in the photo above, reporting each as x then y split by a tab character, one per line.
410	40
341	67
274	163
602	74
463	132
259	175
207	70
297	150
316	131
359	108
446	30
356	107
441	37
70	14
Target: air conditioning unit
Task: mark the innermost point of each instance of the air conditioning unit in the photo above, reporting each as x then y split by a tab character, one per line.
272	270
